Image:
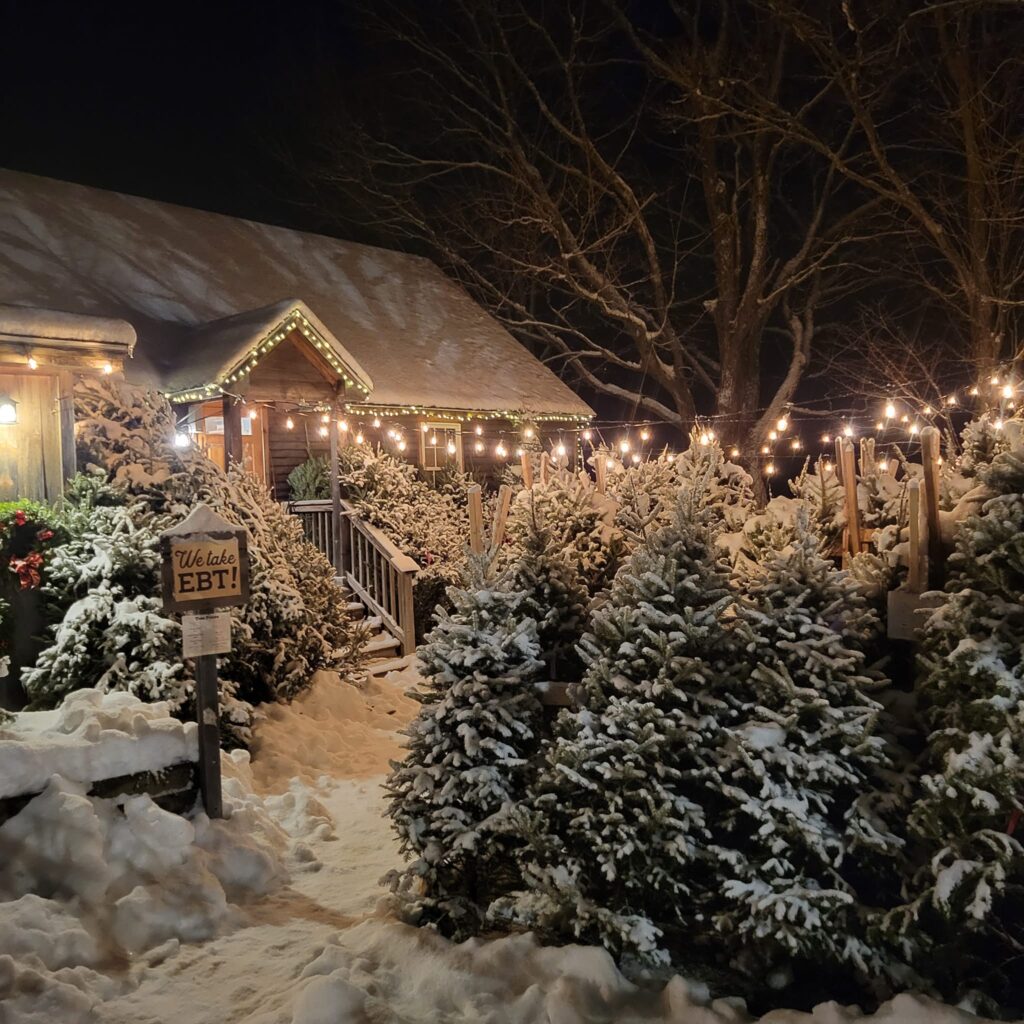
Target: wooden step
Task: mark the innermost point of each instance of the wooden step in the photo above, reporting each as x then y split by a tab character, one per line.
381	643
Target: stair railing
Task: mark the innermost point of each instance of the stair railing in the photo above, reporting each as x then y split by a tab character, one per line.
370	565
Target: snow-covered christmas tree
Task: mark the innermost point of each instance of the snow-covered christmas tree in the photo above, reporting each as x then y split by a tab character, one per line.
468	765
556	597
963	922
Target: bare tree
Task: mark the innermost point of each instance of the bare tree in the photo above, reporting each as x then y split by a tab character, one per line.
598	182
934	93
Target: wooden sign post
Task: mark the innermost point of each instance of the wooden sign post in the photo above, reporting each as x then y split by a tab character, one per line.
205	572
527	465
849	479
601	470
500	518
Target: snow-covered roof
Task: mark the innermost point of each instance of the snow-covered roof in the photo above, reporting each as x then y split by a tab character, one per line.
60	329
172	272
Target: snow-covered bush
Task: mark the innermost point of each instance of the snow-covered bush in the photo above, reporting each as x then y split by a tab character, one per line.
109	630
469	752
963	922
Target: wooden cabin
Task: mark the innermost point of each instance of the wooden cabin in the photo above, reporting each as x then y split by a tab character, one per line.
266	339
41	353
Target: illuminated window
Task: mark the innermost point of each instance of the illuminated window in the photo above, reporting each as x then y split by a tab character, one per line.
440	445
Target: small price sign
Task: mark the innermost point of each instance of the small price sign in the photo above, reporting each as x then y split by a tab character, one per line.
205	571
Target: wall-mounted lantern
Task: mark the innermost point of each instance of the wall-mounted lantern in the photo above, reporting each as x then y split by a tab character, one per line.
8	409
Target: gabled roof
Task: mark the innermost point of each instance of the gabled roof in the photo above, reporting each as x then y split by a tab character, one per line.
175	273
215	352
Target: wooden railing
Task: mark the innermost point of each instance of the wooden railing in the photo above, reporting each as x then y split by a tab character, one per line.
376	571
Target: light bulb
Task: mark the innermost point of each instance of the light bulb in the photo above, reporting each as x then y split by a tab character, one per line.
376	421
479	446
826	438
520	452
624	447
796	445
451	447
998	424
974	391
879	425
610	463
501	451
645	434
1007	391
424	428
995	379
711	434
951	400
560	450
914	428
32	364
705	439
108	368
636	459
847	431
782	423
359	438
323	431
769	470
734	454
928	410
479	430
884	465
528	433
826	465
251	413
343	426
325	417
765	449
890	410
587	435
671	457
401	446
773	435
433	440
904	419
289	424
181	440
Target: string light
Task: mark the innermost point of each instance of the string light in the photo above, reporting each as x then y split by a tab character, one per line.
769	470
624	446
826	438
501	451
914	428
765	450
735	453
587	435
1007	391
520	452
995	380
974	391
251	413
478	430
671	457
951	400
478	447
325	418
289	424
108	368
32	364
890	411
705	439
636	459
323	431
359	438
425	427
782	424
847	431
343	426
376	421
998	424
879	425
884	465
433	440
560	450
528	433
928	410
451	447
795	445
645	434
181	440
401	446
772	435
826	465
610	463
905	419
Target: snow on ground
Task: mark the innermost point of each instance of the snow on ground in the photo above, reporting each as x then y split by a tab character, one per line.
307	836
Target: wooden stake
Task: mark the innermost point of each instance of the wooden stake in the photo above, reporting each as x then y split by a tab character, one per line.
500	517
867	456
930	459
476	520
543	467
849	480
916	554
527	465
839	459
601	469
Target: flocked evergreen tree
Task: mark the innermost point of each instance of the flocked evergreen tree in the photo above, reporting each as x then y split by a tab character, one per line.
555	596
963	922
468	764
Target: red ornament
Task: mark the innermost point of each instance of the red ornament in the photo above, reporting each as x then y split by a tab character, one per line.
27	570
44	535
19	518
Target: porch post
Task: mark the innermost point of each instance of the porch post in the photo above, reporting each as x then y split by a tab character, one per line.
232	432
340	556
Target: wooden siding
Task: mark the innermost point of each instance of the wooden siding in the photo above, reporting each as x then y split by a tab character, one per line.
30	450
290	373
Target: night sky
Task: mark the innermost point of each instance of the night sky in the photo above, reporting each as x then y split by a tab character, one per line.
190	104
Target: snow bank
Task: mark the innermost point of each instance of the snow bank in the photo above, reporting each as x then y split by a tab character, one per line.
381	970
334	730
92	736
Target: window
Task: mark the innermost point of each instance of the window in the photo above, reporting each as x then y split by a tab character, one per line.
440	445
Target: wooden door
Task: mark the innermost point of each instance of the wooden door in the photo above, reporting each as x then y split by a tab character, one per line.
30	453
